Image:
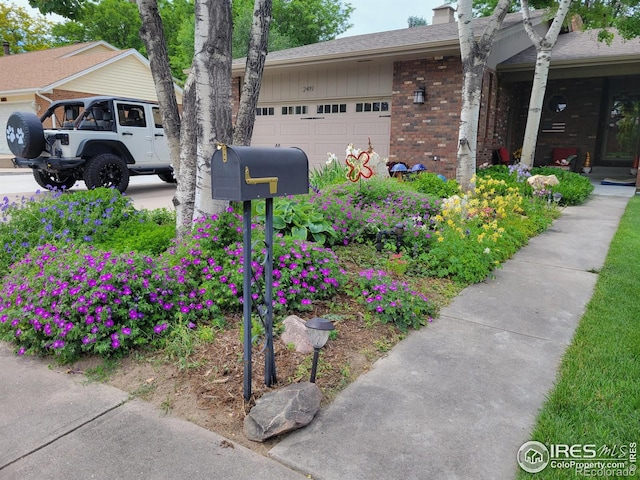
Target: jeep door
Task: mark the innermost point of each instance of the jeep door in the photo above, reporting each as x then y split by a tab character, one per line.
135	131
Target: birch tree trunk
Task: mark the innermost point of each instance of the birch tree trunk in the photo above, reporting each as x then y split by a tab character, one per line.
152	34
256	56
212	66
544	46
474	54
184	198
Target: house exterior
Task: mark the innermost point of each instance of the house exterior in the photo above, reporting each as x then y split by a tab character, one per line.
31	81
324	96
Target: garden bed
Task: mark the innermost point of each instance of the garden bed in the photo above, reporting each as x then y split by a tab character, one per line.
85	275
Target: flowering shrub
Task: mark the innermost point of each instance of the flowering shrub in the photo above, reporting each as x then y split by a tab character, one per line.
302	272
476	232
391	301
69	301
359	212
60	218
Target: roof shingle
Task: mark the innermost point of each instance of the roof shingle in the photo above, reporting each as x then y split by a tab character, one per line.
36	70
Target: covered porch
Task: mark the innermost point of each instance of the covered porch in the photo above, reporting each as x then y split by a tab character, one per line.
592	101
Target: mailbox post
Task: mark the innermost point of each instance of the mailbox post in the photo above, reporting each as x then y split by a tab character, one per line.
243	174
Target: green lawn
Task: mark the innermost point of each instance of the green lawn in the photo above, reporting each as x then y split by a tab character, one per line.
596	400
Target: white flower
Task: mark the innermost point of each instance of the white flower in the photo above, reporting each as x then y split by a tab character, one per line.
332	158
487	251
351	150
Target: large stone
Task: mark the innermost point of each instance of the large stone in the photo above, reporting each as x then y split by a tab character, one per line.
295	333
281	411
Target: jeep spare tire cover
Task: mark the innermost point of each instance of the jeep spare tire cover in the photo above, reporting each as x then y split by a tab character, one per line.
25	135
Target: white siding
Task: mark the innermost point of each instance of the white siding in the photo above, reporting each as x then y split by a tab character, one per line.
332	82
126	78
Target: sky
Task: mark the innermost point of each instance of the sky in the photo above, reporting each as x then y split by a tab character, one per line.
369	16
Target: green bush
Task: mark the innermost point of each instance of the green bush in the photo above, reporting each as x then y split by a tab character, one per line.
430	184
150	232
574	187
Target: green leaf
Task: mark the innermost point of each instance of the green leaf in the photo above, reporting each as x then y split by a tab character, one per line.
299	233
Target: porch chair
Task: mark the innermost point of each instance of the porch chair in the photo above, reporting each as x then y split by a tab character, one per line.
501	156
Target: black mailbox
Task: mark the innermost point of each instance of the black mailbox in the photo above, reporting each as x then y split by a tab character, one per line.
250	173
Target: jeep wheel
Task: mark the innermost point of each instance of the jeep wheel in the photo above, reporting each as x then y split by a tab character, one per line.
25	135
54	181
106	170
167	177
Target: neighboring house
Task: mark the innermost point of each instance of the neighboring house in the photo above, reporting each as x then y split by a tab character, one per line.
324	96
31	81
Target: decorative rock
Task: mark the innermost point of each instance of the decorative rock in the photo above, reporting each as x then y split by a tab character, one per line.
281	411
296	333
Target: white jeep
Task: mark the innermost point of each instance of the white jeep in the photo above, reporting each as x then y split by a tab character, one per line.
101	140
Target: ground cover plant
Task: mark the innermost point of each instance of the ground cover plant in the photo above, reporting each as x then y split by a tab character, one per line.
596	400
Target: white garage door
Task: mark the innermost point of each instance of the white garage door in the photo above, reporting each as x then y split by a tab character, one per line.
319	129
6	109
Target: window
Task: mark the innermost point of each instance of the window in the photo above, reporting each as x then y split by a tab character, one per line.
372	107
131	115
266	111
332	108
157	118
297	110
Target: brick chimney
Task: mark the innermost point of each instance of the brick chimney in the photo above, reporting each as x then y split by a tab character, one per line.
443	14
5	48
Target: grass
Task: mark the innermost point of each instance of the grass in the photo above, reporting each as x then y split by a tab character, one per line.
596	399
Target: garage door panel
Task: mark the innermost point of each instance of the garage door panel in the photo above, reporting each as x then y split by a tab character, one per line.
334	128
318	136
260	128
371	128
301	128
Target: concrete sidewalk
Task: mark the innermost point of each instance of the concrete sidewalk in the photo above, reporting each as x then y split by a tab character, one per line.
453	401
56	427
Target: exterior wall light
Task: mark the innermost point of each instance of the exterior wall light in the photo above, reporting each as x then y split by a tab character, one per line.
419	96
318	329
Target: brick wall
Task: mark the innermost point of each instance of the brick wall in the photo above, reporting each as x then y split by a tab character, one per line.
423	133
580	118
